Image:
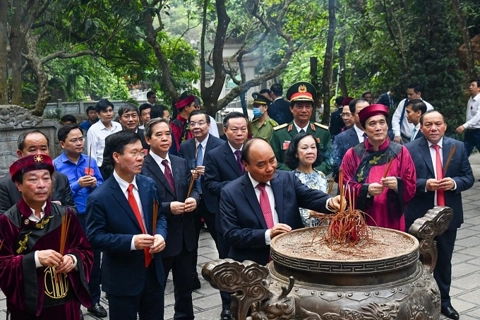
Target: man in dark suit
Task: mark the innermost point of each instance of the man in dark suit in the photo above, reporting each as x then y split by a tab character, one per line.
222	165
129	118
172	177
415	110
263	204
440	185
120	223
350	137
29	143
194	151
279	110
336	121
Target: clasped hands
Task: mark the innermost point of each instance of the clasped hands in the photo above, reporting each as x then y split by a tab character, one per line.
197	172
376	188
443	184
178	207
156	243
52	258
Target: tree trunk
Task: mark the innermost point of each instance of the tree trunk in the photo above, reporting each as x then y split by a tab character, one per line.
341	79
314	81
466	40
16	43
210	94
3	52
328	62
43	95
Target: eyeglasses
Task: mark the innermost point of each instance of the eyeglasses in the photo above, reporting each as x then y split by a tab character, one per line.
199	123
346	115
75	140
136	154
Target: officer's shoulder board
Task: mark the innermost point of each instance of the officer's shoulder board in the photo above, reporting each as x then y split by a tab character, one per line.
280	126
273	122
321	125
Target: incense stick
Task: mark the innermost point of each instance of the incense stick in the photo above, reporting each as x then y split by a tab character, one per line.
155	216
89	158
449	159
388	167
64	232
192	180
341	188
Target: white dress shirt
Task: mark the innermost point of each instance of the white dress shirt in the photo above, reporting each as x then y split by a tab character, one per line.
360	133
271	198
473	113
124	187
406	127
96	136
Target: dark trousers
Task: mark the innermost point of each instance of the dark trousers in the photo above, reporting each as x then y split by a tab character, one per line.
181	265
95	275
471	140
223	249
149	304
443	268
209	218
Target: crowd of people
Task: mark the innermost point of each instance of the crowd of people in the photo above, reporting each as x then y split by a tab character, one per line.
122	206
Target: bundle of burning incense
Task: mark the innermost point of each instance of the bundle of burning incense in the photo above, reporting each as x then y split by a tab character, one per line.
64	233
155	216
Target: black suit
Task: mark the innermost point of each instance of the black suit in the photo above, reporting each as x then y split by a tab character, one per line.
243	223
336	122
181	242
344	141
461	172
9	194
188	151
279	111
141	134
220	168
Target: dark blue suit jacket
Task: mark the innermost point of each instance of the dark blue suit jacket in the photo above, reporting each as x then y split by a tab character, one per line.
343	141
459	170
279	111
111	225
220	168
180	227
243	223
188	152
336	122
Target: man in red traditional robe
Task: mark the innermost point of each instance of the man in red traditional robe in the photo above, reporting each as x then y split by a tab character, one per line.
380	174
39	280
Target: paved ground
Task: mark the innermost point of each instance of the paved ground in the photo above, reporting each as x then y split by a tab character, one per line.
466	264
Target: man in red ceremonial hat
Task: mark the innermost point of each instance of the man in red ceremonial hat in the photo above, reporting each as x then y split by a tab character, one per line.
39	280
179	126
379	173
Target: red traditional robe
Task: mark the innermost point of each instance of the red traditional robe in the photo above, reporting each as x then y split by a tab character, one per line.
32	293
180	130
362	166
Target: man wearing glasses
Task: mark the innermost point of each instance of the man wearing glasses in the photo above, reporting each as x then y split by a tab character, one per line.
301	96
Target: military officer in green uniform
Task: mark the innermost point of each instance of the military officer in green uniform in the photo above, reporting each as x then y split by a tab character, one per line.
262	125
301	96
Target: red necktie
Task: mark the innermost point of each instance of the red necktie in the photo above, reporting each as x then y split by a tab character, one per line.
168	175
265	205
439	170
134	205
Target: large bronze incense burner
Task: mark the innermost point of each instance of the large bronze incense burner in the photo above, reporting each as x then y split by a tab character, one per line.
307	281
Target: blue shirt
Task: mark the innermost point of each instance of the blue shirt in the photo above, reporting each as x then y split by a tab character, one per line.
75	171
85	125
